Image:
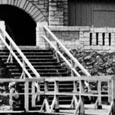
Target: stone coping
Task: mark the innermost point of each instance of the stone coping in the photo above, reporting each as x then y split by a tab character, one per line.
81	28
69	28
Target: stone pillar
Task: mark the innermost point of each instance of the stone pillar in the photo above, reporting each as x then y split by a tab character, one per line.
40	42
56	12
2	25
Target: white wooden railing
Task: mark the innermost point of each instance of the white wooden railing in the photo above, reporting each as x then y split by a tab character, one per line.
77	95
110	109
76	62
79	92
67	62
11	47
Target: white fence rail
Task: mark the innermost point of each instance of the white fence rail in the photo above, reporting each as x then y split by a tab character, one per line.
11	47
77	95
77	64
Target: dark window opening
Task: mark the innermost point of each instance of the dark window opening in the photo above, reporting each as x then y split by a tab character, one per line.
103	38
97	38
90	41
109	39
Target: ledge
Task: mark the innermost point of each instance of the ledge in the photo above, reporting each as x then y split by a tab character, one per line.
69	28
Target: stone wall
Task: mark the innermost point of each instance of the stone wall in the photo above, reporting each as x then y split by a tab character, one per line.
54	11
42	5
69	36
99	39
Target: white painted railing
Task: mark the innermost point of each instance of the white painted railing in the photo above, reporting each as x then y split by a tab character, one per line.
77	94
25	94
12	46
111	109
67	62
78	91
76	62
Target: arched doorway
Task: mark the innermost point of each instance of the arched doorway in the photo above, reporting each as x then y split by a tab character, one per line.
19	24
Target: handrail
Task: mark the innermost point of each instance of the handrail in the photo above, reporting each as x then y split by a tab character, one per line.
68	63
55	93
67	52
110	109
19	52
15	57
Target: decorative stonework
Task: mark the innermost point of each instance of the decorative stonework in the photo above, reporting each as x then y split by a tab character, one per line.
27	6
55	12
43	5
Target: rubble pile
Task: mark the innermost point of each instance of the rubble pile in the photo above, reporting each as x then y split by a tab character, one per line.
97	63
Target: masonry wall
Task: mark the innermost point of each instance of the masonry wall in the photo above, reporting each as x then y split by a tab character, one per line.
99	39
69	36
43	6
54	11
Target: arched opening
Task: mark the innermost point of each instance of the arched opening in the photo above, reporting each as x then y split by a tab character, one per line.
19	24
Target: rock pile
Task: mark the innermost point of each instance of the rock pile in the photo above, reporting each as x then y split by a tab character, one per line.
97	63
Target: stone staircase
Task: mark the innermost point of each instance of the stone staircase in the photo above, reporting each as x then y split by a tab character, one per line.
44	61
47	65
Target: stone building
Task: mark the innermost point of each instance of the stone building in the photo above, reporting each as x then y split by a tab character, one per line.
70	20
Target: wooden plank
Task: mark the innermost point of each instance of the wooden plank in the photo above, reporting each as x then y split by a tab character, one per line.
93	78
75	94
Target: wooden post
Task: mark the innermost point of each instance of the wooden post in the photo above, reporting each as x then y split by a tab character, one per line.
81	109
46	97
99	106
109	91
35	93
74	101
113	88
56	90
113	95
81	91
26	96
74	86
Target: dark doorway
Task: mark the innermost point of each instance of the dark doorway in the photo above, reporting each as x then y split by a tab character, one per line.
19	25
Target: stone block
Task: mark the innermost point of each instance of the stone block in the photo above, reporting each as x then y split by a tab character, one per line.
112	41
87	47
112	48
100	30
86	34
86	43
106	48
100	43
86	39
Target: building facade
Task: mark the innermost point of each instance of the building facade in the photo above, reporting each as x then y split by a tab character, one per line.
68	19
